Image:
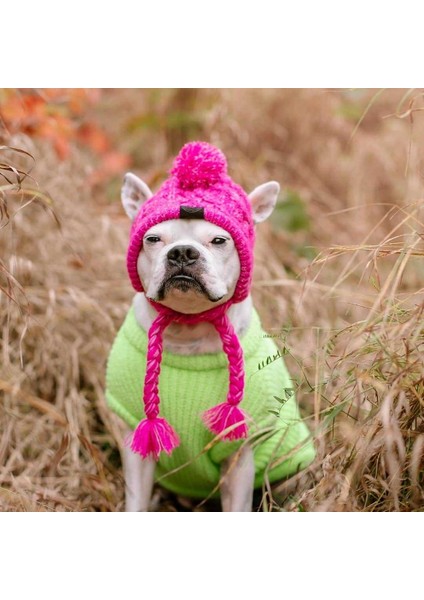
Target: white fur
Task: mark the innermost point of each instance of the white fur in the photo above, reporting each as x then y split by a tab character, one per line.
139	479
193	339
220	263
237	481
219	273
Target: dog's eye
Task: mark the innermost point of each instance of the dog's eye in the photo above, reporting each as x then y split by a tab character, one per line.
152	239
218	240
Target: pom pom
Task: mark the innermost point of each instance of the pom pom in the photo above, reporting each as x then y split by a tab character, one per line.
225	415
199	165
153	436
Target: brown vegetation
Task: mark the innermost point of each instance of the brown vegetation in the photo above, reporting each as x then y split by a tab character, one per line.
338	281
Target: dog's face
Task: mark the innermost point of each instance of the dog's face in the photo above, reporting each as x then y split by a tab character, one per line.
190	265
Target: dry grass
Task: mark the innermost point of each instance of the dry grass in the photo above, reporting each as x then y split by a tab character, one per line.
352	318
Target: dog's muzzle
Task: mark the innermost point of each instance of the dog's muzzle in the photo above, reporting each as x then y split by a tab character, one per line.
184	272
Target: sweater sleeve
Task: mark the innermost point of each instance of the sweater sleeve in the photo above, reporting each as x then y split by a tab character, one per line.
282	443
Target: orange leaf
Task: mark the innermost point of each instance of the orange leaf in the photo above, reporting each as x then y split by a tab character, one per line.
61	145
35	107
22	109
55	126
81	98
115	162
53	94
92	136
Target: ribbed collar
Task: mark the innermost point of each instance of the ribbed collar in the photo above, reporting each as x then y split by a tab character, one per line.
199	362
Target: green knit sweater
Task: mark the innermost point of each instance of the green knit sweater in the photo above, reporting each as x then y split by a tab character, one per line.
189	385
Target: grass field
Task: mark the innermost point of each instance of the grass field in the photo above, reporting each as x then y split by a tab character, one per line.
339	281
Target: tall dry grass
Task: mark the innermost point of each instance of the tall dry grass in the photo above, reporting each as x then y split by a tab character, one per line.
342	290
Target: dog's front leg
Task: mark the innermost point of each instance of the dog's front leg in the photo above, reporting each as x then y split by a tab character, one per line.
139	478
237	480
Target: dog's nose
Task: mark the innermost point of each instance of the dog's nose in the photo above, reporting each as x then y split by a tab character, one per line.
182	255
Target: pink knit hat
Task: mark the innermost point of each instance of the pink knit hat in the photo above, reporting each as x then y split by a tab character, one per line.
199	180
198	188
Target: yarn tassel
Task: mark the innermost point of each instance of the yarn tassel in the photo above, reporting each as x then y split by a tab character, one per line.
152	436
225	416
228	415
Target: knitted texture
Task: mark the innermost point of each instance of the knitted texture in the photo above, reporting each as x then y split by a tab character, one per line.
199	179
189	386
154	435
228	414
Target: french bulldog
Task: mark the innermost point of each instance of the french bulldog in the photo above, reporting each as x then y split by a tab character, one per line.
193	336
191	266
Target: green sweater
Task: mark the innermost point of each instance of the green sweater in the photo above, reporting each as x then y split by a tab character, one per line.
189	385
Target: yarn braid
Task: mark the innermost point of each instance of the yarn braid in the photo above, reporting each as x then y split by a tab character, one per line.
154	434
234	352
153	362
227	419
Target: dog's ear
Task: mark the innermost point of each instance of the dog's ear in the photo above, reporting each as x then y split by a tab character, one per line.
263	199
133	193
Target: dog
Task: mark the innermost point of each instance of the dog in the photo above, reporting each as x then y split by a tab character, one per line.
189	266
